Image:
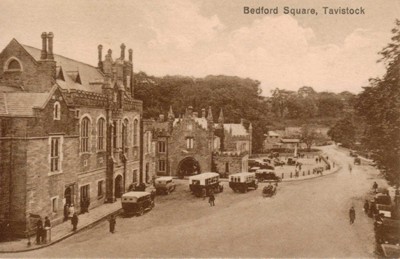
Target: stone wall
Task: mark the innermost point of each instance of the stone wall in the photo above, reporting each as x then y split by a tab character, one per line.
234	164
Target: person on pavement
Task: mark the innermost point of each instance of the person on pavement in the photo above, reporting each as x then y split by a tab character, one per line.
375	187
39	231
352	215
366	206
112	222
47	226
74	222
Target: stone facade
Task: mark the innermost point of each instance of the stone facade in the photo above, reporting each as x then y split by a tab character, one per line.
68	131
185	145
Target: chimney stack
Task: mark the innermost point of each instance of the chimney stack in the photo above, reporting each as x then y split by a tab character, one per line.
100	50
44	46
122	51
130	55
50	37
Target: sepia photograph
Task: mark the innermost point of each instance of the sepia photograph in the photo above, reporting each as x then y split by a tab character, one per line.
199	129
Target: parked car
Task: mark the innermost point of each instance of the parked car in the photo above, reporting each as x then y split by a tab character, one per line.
243	181
164	184
291	161
254	169
387	231
205	183
353	153
278	162
267	175
137	202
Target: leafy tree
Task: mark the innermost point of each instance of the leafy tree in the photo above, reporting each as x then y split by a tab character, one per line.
343	132
308	135
379	106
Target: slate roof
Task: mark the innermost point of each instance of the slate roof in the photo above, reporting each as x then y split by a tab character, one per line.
88	74
237	129
21	104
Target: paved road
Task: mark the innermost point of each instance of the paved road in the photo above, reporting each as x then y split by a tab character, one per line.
306	219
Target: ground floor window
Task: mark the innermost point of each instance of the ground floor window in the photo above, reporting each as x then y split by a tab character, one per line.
85	192
100	190
161	165
54	204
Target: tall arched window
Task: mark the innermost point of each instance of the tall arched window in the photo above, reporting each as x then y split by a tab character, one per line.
100	133
135	132
85	126
57	111
125	134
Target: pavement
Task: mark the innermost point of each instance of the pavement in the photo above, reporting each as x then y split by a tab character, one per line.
63	230
96	215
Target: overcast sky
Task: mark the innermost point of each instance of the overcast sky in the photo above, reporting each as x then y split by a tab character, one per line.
197	38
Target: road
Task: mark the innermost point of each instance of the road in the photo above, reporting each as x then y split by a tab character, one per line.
305	219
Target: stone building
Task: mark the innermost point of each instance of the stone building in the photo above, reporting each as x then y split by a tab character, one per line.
69	132
193	143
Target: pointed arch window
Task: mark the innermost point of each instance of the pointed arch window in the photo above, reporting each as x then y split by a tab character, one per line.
57	111
125	134
135	132
85	126
100	133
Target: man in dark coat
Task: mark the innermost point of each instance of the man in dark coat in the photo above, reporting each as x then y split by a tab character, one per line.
47	226
211	199
113	222
352	215
74	221
375	187
39	231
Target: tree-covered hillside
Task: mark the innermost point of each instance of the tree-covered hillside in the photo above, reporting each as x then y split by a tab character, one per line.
240	98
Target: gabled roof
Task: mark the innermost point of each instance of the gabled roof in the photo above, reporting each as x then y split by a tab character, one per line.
21	104
237	129
88	75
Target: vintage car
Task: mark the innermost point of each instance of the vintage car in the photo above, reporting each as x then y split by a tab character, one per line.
357	161
164	184
267	175
243	181
205	183
136	203
291	161
387	231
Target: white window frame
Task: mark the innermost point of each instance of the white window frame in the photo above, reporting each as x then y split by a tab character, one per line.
54	204
161	146
60	155
189	142
85	139
162	165
57	111
7	63
100	144
103	189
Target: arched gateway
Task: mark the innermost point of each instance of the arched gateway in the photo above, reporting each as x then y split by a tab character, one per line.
188	166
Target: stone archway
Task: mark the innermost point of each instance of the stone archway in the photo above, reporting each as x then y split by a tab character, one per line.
118	186
188	166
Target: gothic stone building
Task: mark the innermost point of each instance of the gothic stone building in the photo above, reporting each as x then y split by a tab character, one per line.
193	144
69	131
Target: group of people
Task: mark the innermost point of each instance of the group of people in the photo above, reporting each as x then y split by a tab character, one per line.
41	230
70	214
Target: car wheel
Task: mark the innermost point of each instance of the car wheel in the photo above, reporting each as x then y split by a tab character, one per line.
140	211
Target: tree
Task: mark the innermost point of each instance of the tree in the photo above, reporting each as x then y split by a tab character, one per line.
343	132
379	106
308	135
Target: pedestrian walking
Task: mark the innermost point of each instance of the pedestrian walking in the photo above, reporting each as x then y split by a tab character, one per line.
47	226
112	222
39	231
71	211
333	164
366	207
66	207
316	160
375	187
74	222
211	199
350	168
352	215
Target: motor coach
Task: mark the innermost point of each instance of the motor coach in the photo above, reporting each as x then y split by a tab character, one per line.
205	183
243	181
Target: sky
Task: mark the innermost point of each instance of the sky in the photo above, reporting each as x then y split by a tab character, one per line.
213	37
